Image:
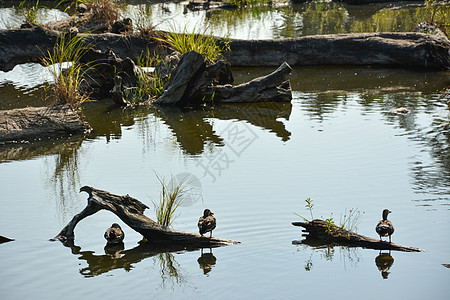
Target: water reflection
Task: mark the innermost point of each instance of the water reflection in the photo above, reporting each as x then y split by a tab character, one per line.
384	262
349	256
207	261
193	131
116	257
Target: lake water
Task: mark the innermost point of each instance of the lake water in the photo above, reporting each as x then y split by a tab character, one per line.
337	142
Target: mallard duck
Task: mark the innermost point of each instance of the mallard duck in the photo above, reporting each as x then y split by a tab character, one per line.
114	234
207	222
385	227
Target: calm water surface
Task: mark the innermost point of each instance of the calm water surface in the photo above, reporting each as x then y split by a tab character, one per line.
337	142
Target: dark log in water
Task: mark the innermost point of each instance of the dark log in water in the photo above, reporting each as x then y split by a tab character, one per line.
35	123
318	230
408	50
4	239
131	212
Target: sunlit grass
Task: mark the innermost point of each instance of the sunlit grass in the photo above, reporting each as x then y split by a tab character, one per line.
67	71
202	43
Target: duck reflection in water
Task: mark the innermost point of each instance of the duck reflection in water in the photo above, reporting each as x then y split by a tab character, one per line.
384	262
206	261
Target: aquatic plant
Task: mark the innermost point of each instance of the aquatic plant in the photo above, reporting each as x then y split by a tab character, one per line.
150	84
67	70
349	221
170	199
29	13
205	44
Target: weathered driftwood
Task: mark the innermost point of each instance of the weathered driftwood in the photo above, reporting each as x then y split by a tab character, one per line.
317	230
4	239
34	123
192	82
131	212
270	88
187	68
409	50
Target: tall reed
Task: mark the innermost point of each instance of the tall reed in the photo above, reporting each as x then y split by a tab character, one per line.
170	199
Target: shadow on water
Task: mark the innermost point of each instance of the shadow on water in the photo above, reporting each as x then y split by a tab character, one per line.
116	257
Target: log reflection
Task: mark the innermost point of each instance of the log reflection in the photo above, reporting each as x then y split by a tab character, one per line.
193	131
116	257
348	255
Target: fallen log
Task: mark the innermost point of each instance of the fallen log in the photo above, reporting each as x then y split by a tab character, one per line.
36	123
131	212
320	231
396	49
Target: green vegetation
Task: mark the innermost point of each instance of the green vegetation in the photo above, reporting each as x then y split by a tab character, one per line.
29	12
67	70
349	221
203	43
106	11
241	3
170	199
435	13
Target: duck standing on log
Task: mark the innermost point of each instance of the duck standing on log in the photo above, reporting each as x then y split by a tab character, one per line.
207	222
114	234
385	227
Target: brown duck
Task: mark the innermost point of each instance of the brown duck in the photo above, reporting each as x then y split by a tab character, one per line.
385	227
114	234
207	222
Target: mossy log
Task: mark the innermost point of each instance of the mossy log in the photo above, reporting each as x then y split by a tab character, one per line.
319	230
131	212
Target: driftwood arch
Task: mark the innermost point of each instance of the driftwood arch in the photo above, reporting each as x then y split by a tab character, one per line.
131	212
318	232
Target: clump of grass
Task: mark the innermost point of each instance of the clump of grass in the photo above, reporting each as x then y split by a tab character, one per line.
67	71
349	221
170	199
150	84
437	14
103	10
29	13
202	43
